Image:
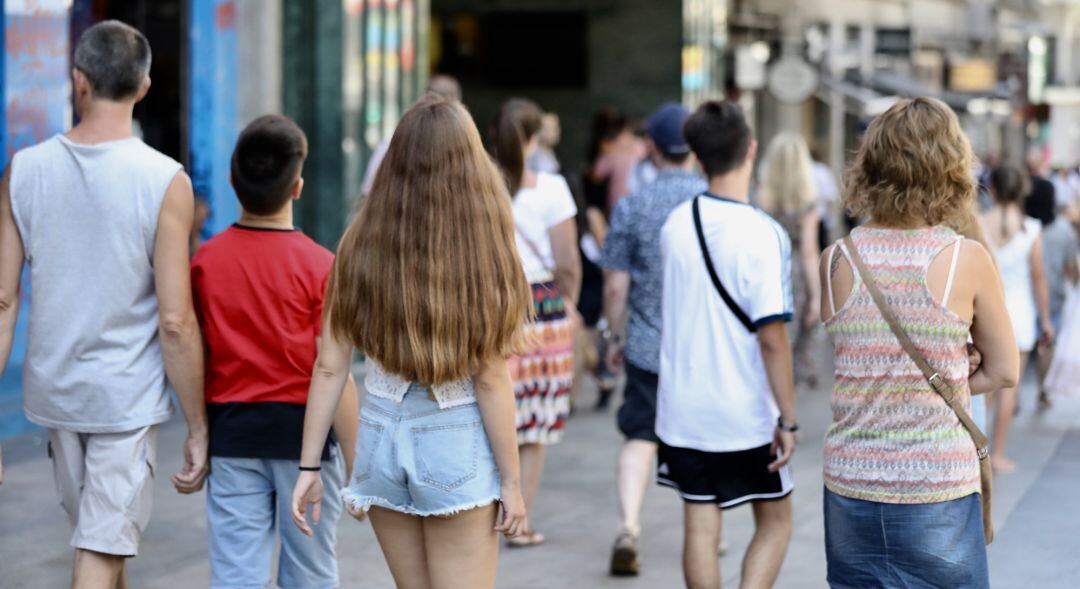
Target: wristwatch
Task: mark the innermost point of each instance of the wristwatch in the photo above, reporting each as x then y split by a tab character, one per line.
787	427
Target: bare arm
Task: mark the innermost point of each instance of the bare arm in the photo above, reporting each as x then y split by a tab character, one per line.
616	294
776	352
11	263
564	248
1042	291
991	328
495	399
329	378
181	342
346	422
808	251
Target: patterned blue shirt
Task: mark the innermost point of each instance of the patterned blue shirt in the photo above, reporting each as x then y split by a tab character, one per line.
633	245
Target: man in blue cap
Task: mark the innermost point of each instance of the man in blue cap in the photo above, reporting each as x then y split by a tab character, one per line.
633	283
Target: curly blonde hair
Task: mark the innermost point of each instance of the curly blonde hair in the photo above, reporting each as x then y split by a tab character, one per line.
915	166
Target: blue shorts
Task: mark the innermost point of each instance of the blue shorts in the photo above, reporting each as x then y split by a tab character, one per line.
872	545
415	458
246	500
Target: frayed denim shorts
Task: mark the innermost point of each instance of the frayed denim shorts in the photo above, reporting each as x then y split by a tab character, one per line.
415	458
870	545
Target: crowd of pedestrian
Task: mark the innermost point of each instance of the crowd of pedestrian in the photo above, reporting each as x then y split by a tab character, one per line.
483	284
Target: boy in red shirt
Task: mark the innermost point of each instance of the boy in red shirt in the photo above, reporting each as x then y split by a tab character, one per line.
258	290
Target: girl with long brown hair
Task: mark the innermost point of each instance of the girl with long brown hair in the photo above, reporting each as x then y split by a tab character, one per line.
546	233
428	285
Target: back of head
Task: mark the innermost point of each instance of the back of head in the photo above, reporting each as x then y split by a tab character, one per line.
719	136
519	120
786	175
445	86
914	167
115	58
267	162
1008	184
427	279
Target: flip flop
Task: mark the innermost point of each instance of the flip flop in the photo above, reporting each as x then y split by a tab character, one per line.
526	540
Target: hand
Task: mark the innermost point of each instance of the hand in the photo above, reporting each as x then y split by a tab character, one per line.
811	315
357	514
783	446
308	490
576	320
513	521
614	359
1046	339
191	477
974	359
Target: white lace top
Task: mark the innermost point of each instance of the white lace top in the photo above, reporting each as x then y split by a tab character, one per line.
387	385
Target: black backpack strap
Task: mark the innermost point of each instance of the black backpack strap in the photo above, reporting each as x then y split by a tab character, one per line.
739	314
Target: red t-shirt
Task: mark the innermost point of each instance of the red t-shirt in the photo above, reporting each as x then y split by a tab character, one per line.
259	297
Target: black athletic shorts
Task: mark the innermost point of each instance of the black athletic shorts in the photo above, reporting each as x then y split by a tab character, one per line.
724	478
637	414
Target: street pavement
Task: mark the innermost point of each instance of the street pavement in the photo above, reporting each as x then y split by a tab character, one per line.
1036	511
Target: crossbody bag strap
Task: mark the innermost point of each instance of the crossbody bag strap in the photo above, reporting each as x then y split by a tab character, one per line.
730	302
982	445
535	250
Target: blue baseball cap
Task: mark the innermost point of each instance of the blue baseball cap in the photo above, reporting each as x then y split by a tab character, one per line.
665	128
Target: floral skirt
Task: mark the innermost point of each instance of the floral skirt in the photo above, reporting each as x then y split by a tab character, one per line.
544	374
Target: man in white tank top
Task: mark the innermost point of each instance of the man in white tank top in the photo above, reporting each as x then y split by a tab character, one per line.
102	222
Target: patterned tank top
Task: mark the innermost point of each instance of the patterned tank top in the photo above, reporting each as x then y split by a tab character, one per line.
893	439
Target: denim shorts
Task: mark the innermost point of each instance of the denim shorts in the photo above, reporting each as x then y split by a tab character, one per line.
247	500
870	545
415	458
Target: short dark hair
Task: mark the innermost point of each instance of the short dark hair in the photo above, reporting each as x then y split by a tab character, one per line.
114	57
675	158
719	136
267	160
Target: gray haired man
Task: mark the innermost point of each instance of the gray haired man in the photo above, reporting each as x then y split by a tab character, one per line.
102	221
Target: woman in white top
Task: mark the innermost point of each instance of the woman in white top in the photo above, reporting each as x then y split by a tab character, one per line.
428	285
1017	244
543	374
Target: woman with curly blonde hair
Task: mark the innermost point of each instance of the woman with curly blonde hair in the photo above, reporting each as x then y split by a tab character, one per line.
788	194
902	471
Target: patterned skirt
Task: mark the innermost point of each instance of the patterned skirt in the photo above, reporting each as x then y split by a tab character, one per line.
544	374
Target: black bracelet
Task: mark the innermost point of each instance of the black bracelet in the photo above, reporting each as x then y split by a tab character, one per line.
310	468
787	427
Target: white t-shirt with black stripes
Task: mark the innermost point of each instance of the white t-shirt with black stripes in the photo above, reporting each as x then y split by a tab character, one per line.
714	394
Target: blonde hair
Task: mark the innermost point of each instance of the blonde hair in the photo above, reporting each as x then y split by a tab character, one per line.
786	175
427	279
915	165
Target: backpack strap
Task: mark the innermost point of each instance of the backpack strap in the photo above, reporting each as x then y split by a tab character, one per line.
739	313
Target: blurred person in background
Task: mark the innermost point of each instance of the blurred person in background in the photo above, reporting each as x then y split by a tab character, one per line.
1016	242
544	219
1064	189
441	84
1041	192
1062	378
618	151
902	474
1059	244
827	193
633	286
198	222
787	191
543	159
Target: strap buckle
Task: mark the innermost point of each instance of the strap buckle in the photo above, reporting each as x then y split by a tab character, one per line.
983	452
935	377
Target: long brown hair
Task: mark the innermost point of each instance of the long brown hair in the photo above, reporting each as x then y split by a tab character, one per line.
519	121
427	279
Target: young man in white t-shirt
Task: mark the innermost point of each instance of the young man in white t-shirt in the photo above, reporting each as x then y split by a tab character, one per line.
726	399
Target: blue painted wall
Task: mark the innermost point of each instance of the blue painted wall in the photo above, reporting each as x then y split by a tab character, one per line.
212	106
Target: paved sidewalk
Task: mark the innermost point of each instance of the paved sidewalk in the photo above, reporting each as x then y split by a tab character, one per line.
1035	508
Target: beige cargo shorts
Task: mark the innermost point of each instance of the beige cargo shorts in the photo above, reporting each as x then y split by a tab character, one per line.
106	486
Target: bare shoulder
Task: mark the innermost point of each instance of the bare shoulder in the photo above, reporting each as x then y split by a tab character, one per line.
976	262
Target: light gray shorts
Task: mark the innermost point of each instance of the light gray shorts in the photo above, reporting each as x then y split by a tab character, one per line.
106	486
